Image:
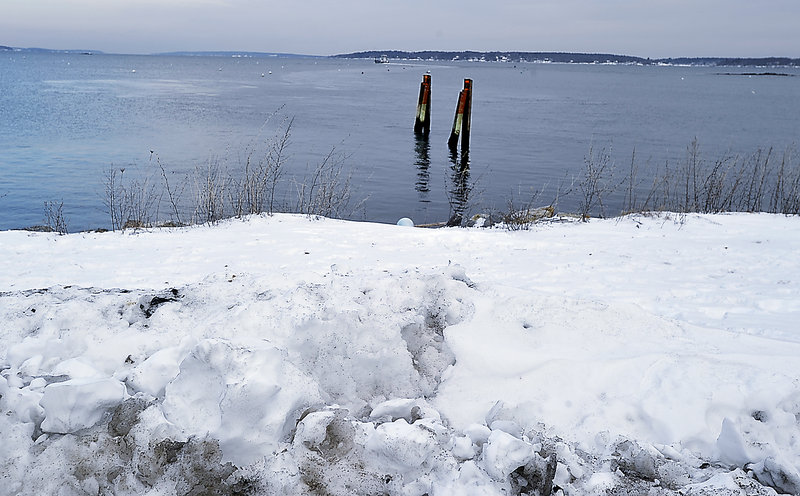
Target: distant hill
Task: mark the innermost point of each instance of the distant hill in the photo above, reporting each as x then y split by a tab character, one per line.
499	56
237	54
560	57
577	58
183	54
733	62
48	50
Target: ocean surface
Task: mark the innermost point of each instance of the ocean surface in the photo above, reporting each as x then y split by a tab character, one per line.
67	120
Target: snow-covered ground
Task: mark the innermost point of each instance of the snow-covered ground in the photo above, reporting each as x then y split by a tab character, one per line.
288	355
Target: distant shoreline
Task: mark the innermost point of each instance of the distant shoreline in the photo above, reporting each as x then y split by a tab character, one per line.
577	58
475	56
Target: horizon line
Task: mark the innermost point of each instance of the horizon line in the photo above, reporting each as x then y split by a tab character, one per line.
364	52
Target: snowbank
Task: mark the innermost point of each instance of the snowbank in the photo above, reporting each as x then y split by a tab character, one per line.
284	355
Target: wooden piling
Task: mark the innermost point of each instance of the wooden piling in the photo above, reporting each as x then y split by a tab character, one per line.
467	120
422	123
457	119
462	119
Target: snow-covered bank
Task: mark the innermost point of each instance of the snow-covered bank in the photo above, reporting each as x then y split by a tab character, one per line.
283	355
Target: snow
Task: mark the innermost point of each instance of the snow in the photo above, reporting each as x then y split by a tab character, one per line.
649	354
78	404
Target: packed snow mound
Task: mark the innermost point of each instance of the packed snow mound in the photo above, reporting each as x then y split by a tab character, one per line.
372	376
228	360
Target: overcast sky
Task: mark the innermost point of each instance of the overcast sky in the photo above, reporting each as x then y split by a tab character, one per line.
646	28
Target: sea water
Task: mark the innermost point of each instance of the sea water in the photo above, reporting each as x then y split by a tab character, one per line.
68	120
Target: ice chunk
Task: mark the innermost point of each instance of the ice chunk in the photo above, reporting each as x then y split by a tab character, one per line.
470	473
409	409
779	473
463	448
499	417
79	403
731	446
193	399
23	402
601	482
505	453
400	446
77	368
472	481
312	430
153	375
478	433
248	398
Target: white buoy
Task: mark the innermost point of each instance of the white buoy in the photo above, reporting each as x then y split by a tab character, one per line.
406	222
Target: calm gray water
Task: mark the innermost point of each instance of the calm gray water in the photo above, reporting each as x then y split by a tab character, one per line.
65	120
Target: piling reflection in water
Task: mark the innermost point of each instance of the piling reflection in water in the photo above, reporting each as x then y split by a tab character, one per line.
422	147
460	189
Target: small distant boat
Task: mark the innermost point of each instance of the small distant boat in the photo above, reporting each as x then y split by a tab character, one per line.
383	59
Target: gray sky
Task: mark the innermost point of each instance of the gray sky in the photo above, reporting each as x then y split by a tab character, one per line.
646	28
